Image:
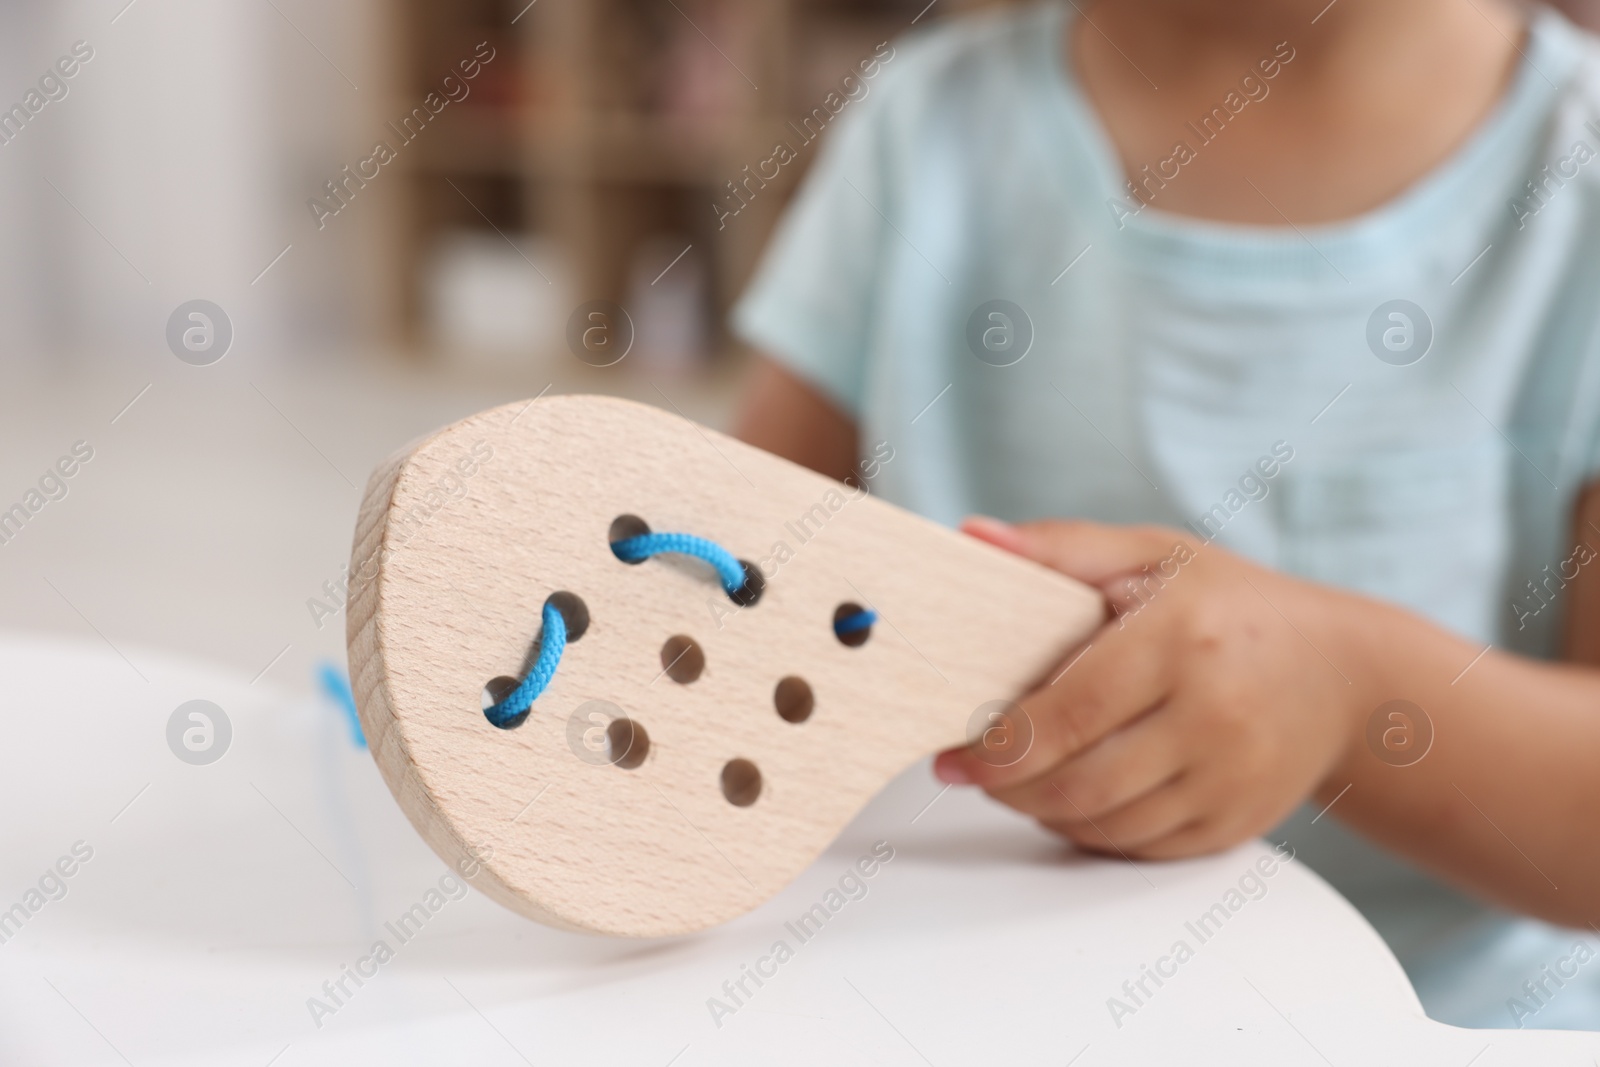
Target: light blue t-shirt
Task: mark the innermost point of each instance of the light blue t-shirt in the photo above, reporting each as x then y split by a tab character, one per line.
1404	404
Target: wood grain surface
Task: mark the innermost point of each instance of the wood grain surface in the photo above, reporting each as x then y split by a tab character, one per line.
461	539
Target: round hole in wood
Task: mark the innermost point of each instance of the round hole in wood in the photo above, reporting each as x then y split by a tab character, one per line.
624	527
574	612
682	658
741	782
627	744
793	699
846	626
754	585
496	690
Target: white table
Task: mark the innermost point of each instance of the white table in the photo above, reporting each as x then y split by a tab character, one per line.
220	898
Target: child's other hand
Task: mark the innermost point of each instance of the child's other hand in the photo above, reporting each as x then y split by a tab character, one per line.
1197	718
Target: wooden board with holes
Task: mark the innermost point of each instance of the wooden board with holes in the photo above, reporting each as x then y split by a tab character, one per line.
717	800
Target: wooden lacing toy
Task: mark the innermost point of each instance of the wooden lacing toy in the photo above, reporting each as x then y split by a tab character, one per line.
632	676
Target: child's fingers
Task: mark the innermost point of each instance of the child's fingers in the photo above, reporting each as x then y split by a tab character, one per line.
1091	552
1113	681
1129	763
1196	838
1157	817
1225	817
997	533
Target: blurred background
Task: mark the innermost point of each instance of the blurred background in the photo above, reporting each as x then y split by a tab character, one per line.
540	161
540	156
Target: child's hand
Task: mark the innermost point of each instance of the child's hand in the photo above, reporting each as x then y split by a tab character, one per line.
1195	719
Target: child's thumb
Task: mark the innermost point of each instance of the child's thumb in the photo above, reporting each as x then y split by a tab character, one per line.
1091	552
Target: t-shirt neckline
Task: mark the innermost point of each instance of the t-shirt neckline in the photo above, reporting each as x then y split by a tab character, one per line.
1354	243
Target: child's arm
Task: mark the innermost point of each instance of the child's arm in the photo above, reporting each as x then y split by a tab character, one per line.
1581	639
1225	693
790	418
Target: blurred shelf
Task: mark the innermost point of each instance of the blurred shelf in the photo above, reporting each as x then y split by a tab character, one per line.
611	127
612	147
476	140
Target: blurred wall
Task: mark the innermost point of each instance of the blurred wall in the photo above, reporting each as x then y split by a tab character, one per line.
179	162
176	166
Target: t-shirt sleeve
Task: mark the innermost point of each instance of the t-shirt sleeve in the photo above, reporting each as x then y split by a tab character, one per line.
811	301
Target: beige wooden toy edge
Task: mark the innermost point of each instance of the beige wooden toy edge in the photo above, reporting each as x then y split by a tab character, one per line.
373	544
369	682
